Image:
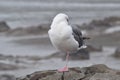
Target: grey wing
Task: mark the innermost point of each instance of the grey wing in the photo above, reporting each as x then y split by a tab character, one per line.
77	35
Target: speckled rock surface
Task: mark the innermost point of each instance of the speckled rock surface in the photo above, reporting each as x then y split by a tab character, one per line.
95	72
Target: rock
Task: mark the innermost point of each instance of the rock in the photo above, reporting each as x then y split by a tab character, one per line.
6	57
113	20
99	68
55	55
117	53
79	55
16	32
45	26
7	77
6	60
102	23
4	27
94	24
4	66
33	30
105	76
54	75
98	27
9	62
95	72
94	48
106	39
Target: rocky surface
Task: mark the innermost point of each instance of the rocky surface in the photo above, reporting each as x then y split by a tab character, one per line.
9	62
5	66
6	63
95	72
94	48
7	77
117	53
79	55
33	30
94	27
18	58
106	39
4	27
105	76
106	22
98	27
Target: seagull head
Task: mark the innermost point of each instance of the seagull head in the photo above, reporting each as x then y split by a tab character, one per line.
61	17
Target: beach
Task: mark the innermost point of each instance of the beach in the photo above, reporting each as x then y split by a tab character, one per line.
25	47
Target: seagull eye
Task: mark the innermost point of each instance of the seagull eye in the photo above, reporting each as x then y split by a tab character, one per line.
67	20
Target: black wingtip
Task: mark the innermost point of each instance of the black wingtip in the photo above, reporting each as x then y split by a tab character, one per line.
86	38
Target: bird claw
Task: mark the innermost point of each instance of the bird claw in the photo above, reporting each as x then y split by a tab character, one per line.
64	69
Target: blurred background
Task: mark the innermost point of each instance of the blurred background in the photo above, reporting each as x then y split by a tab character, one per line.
25	46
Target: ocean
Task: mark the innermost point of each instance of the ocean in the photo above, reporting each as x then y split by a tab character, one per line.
24	13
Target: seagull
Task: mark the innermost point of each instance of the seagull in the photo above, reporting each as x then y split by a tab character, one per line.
65	38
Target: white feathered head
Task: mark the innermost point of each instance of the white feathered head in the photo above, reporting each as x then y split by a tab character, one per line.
61	17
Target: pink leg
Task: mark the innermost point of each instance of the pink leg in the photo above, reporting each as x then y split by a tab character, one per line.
65	68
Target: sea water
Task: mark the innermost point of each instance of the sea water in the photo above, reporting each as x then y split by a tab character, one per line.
24	13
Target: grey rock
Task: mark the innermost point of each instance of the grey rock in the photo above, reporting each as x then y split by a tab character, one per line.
6	57
105	76
117	53
79	55
7	77
32	30
4	27
95	72
106	39
94	48
113	20
73	74
106	23
4	66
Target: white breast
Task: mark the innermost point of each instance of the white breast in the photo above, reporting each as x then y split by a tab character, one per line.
62	39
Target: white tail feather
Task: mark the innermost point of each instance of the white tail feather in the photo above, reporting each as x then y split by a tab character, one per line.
82	47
